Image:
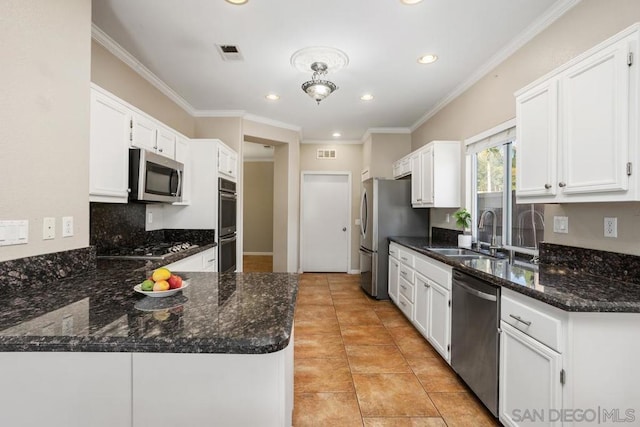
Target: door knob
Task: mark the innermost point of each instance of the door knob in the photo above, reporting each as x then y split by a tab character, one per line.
344	228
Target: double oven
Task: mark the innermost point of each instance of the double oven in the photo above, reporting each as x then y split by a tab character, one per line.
227	211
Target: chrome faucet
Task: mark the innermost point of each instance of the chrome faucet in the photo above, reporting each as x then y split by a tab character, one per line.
494	236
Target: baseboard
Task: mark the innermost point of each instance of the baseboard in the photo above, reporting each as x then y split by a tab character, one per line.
258	253
354	272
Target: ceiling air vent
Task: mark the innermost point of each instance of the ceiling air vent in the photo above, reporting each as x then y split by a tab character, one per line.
323	154
229	52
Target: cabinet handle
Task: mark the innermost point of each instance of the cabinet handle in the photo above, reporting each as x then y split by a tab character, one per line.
403	287
519	319
562	184
403	303
211	260
229	171
160	150
547	186
426	285
419	200
404	273
404	259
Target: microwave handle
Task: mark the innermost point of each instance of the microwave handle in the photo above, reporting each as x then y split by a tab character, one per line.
179	192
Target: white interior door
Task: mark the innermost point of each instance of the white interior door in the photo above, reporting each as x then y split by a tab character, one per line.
325	222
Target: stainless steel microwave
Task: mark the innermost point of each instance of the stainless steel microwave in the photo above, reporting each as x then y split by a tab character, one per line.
154	178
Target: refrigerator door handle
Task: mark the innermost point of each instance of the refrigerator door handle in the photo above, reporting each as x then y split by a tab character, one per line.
363	213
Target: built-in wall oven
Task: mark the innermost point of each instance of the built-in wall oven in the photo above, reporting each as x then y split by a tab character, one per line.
227	210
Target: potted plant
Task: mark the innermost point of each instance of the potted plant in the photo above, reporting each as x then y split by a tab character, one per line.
463	221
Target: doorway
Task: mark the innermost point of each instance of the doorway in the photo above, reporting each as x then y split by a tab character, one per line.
325	222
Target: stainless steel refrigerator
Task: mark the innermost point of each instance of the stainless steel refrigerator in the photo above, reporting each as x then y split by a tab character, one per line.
385	210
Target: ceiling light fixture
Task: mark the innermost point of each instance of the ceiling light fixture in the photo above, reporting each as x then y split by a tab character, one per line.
272	97
410	1
237	1
427	59
336	135
317	88
366	97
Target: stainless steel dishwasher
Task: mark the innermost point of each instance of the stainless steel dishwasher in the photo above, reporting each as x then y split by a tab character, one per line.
475	322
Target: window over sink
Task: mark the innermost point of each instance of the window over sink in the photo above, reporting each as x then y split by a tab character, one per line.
491	180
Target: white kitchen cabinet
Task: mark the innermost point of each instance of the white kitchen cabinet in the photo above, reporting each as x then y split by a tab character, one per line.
439	323
143	132
529	379
227	162
166	142
577	128
202	261
402	167
394	273
108	149
182	155
435	175
424	295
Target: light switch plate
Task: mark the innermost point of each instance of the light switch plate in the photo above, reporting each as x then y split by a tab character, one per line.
67	226
561	224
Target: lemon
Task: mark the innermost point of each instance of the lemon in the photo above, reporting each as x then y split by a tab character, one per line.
161	274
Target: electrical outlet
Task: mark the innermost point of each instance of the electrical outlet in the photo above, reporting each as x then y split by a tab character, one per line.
67	226
150	217
610	227
48	228
561	224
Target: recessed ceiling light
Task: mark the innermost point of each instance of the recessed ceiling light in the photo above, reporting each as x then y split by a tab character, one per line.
336	134
237	1
272	97
427	59
366	97
410	1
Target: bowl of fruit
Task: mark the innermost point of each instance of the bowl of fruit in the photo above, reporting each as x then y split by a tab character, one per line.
162	283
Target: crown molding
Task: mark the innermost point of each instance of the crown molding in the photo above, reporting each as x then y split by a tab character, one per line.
122	54
271	122
219	113
331	142
371	131
549	17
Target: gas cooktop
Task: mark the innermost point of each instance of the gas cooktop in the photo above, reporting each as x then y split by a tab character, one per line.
152	251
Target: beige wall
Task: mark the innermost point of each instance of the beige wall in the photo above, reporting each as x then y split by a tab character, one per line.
348	159
112	74
386	148
490	102
258	206
226	129
44	102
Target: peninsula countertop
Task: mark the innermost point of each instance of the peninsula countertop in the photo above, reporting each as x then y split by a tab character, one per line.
98	311
561	287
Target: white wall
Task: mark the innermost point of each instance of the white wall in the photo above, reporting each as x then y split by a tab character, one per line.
45	51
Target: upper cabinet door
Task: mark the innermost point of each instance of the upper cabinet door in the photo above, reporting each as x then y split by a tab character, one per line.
166	143
108	150
595	122
143	133
428	175
416	180
537	140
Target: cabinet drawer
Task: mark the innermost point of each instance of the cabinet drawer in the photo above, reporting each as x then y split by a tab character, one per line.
407	289
407	258
434	270
405	306
406	273
538	320
394	250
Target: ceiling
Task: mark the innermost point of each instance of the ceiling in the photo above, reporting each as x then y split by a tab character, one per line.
176	41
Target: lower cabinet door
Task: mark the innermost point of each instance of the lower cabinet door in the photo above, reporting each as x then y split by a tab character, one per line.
530	389
439	320
394	274
421	303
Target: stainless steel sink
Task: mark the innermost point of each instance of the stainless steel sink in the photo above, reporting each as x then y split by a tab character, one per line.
471	256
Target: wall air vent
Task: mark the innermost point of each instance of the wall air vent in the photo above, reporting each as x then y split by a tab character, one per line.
324	154
229	52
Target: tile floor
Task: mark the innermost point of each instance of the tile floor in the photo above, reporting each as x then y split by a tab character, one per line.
257	263
359	362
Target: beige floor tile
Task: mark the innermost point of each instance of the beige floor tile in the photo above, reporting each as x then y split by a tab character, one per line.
458	406
347	304
425	367
410	341
314	312
365	335
383	305
318	346
349	294
436	383
378	359
322	375
383	395
326	409
405	422
365	316
317	299
314	327
392	317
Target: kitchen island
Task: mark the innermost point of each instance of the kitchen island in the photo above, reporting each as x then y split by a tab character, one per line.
89	351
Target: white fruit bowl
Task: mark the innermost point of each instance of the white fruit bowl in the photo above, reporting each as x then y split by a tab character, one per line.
160	294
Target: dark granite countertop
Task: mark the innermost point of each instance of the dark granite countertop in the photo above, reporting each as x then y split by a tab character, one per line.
558	286
98	311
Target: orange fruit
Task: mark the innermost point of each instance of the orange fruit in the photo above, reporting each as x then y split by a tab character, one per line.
161	285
